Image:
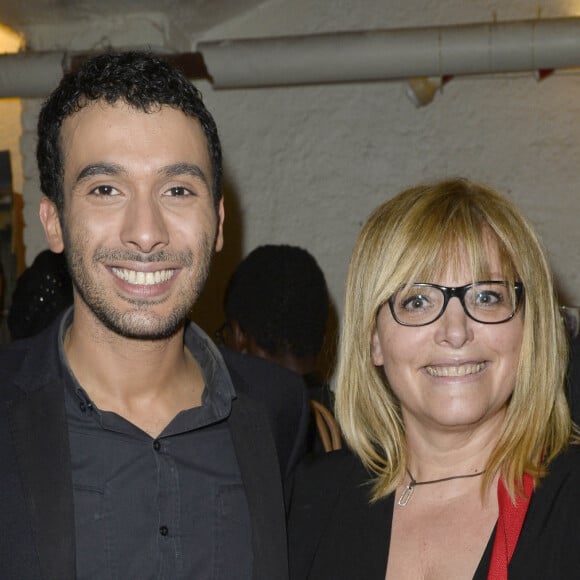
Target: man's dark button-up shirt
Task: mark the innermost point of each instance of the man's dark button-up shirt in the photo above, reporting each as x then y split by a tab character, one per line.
169	508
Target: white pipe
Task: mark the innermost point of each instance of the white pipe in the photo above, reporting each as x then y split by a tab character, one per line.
390	54
527	45
30	75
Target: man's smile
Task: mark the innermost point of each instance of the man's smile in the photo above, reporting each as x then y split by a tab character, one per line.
141	278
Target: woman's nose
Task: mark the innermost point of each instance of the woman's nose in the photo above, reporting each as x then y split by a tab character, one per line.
454	327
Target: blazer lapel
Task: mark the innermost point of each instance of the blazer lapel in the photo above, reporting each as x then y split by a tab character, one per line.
38	426
355	543
258	461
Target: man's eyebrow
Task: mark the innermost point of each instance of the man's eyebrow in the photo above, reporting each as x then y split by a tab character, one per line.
174	170
99	169
178	169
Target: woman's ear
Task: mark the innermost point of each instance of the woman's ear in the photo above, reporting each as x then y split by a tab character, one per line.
376	349
51	224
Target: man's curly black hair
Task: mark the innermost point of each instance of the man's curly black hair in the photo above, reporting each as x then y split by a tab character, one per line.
140	79
278	295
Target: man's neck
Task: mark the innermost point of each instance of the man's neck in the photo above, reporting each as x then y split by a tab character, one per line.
146	381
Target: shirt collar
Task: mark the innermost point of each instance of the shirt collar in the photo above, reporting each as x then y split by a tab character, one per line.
219	390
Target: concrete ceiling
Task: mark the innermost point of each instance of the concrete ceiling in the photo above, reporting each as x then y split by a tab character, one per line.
194	14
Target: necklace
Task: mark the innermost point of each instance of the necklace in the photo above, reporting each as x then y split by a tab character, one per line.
413	483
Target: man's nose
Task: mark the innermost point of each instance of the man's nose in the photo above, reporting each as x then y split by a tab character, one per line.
144	226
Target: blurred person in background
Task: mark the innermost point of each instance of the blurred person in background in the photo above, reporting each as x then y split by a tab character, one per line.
42	292
4	333
277	307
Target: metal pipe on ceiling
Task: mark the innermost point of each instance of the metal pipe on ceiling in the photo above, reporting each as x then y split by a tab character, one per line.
36	74
469	49
358	56
30	74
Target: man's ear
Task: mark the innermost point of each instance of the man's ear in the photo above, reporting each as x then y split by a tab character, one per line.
51	224
219	239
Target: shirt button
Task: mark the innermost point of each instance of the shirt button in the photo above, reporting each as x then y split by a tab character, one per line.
156	445
163	530
83	407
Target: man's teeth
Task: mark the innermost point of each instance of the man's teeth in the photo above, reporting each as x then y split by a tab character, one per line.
455	371
143	278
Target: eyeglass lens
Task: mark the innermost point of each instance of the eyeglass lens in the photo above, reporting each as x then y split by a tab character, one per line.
487	302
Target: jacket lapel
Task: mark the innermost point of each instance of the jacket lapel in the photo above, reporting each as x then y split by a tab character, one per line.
258	461
38	428
355	543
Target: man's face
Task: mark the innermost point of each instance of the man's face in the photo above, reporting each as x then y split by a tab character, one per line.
139	225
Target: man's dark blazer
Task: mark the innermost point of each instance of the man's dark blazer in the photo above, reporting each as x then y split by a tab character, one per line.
268	423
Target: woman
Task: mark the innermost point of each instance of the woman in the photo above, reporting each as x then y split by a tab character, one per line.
450	393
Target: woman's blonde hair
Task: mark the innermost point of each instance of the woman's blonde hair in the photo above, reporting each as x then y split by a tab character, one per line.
413	237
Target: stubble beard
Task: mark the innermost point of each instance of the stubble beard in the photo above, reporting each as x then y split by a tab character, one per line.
139	321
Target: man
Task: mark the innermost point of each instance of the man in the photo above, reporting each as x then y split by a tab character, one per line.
130	450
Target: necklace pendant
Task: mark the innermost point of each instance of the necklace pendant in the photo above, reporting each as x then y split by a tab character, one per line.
406	495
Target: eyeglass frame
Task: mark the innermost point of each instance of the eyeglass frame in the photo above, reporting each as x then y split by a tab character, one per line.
459	293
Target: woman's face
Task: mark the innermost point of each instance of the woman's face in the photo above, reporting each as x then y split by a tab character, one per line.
455	373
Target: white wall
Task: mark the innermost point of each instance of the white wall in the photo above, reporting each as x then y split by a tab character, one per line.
306	165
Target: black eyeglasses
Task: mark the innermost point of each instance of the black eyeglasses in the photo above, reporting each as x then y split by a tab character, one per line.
488	302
